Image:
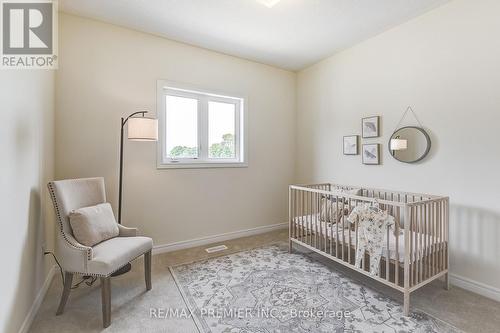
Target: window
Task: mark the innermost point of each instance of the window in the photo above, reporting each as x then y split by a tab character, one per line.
199	128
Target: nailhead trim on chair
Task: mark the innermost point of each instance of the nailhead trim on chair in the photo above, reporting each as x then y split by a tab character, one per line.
50	185
107	274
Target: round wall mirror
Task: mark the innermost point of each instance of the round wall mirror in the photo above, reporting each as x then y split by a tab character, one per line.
409	144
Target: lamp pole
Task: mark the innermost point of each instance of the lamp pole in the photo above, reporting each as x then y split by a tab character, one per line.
120	184
123	122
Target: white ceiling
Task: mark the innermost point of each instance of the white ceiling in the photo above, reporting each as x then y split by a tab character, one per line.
292	34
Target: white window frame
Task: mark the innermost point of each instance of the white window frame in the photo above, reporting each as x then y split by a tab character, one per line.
204	96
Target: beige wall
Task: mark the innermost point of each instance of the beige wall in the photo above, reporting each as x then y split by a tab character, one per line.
26	148
106	72
446	65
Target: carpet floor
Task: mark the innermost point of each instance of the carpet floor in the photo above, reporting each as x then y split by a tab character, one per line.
133	309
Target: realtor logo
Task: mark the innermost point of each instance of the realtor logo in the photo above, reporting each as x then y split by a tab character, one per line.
28	34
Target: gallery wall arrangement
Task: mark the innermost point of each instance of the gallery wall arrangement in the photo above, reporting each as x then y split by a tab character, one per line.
407	144
370	129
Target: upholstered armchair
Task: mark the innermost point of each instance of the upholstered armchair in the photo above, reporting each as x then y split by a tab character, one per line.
101	260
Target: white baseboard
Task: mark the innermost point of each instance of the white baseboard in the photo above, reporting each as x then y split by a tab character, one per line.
476	287
163	248
38	301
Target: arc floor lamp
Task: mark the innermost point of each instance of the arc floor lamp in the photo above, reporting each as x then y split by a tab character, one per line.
140	128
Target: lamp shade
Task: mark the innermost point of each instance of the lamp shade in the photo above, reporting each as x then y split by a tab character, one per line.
143	129
399	144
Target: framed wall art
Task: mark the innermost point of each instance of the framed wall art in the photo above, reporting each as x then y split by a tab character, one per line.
371	154
370	127
351	145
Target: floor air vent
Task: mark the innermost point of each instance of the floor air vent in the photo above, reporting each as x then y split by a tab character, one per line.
216	248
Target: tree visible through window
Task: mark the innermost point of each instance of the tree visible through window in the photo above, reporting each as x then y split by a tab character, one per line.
223	149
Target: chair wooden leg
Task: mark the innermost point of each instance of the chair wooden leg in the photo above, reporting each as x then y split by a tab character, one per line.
147	269
68	280
106	301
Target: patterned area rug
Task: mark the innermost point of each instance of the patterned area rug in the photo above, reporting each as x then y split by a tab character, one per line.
268	290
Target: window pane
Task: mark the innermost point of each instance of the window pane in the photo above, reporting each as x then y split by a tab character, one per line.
221	130
182	127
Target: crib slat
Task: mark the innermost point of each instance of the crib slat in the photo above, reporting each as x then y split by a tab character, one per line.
356	224
388	255
290	220
317	225
309	218
315	219
342	229
441	242
299	214
313	234
417	248
318	219
429	250
407	230
447	224
388	248
320	235
302	222
291	214
302	214
444	234
426	209
421	238
417	244
327	220
398	225
331	227
437	238
426	246
440	233
349	238
337	228
432	234
305	216
438	241
412	226
364	252
433	220
293	210
317	198
293	206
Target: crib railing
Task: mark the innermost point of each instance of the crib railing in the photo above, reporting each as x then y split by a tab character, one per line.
416	251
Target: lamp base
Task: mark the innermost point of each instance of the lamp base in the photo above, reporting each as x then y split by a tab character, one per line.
123	270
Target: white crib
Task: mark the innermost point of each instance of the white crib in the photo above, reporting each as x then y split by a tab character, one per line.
416	253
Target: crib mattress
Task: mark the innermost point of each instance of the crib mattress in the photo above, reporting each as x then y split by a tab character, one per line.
326	228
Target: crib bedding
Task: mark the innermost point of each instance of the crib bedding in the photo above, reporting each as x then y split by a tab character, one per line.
314	224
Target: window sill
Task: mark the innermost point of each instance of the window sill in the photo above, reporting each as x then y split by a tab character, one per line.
208	165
